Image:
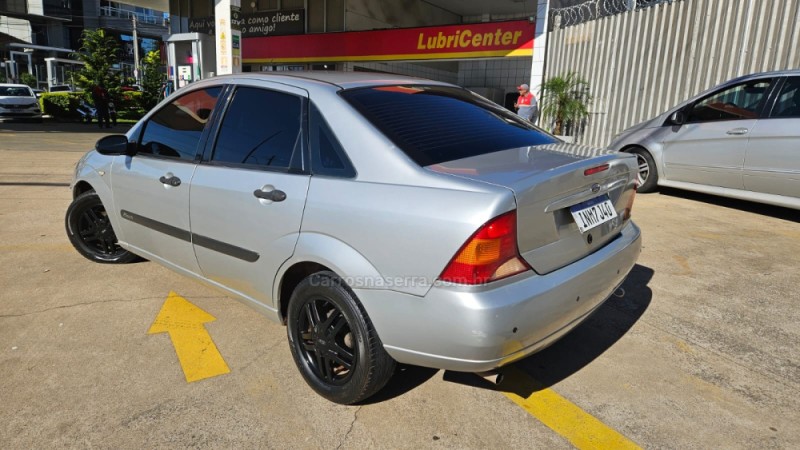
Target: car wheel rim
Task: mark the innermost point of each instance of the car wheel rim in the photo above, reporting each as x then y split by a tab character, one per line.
644	169
326	342
96	232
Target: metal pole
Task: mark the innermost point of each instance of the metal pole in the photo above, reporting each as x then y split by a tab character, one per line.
135	51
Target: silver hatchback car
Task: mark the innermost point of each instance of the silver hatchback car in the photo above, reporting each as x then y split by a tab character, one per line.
381	218
739	139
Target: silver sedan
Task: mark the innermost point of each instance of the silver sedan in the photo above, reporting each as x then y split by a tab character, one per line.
383	219
740	139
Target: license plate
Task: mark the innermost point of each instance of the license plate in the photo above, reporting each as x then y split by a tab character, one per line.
592	213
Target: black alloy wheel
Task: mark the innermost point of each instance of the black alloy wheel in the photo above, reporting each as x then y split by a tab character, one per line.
333	341
327	341
90	232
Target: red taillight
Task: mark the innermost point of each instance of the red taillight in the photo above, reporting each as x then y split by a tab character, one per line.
595	170
490	254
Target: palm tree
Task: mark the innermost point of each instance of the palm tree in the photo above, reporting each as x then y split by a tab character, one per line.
564	99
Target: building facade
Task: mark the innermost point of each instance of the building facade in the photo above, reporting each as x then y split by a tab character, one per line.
414	37
34	31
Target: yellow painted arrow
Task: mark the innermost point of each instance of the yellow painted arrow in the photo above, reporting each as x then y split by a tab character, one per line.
197	353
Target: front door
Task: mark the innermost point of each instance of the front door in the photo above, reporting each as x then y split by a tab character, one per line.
710	147
249	192
772	164
151	189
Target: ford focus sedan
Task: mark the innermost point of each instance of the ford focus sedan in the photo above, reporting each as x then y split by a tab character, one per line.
739	139
382	219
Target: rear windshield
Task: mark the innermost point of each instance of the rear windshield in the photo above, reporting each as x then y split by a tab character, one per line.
436	124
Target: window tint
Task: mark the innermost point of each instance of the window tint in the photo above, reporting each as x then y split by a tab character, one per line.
15	91
327	155
788	103
174	131
434	124
743	101
260	128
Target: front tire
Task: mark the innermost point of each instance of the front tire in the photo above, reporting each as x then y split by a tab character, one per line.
333	342
90	232
648	173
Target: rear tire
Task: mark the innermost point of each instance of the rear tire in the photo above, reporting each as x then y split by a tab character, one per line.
90	232
648	173
333	342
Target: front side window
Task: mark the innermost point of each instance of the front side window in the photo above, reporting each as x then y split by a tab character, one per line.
175	130
436	124
261	128
788	103
743	101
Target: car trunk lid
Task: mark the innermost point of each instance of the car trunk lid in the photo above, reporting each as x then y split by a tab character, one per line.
549	182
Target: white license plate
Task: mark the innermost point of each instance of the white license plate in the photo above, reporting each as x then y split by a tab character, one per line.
592	213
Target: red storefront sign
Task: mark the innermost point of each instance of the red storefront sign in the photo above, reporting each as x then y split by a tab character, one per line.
482	40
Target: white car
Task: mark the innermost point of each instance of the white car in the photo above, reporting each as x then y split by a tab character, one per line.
17	101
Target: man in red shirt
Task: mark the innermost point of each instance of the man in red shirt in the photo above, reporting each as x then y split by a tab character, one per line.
526	105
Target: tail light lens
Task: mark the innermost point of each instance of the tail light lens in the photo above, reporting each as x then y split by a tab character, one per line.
489	255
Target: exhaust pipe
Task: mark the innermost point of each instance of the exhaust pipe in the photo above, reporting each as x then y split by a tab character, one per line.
491	376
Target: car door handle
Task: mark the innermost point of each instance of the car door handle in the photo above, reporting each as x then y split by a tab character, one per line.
738	131
171	181
274	195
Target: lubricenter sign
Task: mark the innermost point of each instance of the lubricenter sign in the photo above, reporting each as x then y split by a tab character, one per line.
482	40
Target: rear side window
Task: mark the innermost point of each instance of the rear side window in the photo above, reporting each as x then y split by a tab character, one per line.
435	124
261	128
175	130
327	155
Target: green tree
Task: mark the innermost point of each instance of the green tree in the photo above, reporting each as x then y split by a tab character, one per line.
564	100
152	78
26	78
99	53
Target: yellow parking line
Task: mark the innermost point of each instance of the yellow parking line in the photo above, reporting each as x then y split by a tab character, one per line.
580	428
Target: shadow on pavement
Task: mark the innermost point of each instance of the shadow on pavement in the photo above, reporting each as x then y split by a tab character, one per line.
405	379
777	212
578	348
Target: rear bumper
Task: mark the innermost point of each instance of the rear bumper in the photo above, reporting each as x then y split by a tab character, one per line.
473	330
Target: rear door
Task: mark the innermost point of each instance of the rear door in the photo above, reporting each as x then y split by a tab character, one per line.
772	164
151	189
249	192
710	148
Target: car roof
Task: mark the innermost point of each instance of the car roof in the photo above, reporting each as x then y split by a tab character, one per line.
343	80
756	76
14	85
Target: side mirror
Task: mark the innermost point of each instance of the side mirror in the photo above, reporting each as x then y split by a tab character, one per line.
678	117
116	144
